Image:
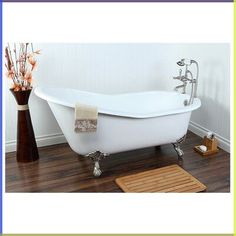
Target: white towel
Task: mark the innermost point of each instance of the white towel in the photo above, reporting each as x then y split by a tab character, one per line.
85	118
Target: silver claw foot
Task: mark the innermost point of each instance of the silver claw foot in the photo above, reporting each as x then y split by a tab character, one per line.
96	157
177	148
97	171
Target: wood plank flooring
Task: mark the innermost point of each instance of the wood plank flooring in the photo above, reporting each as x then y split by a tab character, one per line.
59	169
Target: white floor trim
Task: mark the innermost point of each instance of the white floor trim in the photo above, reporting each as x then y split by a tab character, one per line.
44	140
202	131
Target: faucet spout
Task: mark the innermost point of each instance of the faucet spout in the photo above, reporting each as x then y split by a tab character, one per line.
183	86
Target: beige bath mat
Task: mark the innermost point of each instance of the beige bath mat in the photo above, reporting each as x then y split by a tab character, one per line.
166	179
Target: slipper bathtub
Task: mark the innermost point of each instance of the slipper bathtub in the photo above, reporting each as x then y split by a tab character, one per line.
125	121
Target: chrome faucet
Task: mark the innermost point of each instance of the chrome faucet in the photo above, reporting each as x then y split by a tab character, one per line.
182	79
187	78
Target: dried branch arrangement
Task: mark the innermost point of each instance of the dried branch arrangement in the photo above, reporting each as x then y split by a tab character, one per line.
20	64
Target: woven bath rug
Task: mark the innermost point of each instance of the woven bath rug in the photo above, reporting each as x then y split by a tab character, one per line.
166	179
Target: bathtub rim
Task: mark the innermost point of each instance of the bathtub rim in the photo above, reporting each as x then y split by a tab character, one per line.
40	92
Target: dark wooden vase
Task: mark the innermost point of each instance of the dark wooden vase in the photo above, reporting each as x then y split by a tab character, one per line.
27	150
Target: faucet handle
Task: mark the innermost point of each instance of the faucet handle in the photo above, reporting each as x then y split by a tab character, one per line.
180	75
180	72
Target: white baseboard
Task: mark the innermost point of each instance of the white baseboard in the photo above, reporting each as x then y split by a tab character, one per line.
202	131
44	140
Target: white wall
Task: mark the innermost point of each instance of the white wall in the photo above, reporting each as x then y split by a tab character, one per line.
117	68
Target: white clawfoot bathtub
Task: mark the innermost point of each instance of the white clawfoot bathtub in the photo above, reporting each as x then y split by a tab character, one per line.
125	121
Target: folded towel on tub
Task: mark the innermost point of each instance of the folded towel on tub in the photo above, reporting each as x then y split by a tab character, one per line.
85	118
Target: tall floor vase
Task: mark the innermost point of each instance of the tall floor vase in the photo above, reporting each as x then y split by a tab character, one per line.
27	150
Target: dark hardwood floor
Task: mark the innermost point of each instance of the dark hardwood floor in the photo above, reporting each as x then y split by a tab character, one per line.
59	169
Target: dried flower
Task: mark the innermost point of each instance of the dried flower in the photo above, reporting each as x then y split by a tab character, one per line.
32	61
16	88
38	52
28	77
10	73
19	69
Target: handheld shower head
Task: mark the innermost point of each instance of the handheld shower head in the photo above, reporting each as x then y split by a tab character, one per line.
181	62
184	62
